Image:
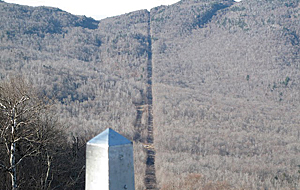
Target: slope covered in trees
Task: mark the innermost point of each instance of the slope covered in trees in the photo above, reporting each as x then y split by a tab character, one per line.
94	71
225	80
226	95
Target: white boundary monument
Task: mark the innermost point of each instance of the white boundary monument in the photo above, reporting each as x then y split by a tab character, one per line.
109	162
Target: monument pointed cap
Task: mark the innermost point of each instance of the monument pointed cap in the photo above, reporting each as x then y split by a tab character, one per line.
109	137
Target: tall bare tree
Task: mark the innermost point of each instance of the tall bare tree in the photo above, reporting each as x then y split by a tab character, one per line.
20	108
34	150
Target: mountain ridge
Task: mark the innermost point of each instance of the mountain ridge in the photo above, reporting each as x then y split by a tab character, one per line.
224	81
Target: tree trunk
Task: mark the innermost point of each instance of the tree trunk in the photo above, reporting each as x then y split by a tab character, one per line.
13	166
12	159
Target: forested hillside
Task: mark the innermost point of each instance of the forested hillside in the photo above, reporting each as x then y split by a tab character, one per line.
224	77
226	95
94	71
89	69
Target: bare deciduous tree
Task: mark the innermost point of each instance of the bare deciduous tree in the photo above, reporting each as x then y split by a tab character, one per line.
20	108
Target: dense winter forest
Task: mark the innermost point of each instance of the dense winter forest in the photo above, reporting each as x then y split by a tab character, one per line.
224	77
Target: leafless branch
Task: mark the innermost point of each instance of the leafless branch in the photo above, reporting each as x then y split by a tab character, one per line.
7	147
22	100
5	101
3	131
2	106
27	139
3	166
26	155
21	123
78	176
32	109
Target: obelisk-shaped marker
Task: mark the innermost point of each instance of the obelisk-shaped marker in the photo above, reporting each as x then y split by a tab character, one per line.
109	162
